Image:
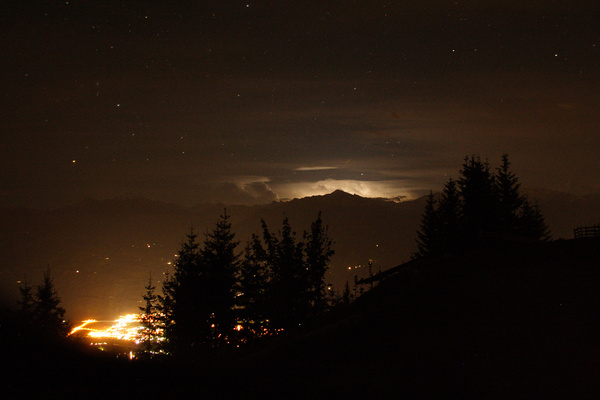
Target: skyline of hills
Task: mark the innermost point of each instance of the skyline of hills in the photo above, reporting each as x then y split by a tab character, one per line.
101	251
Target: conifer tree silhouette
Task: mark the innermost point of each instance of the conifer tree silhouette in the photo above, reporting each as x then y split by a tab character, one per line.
509	199
531	223
318	250
282	280
220	265
253	285
448	219
26	300
428	236
182	301
49	315
479	210
150	317
197	300
213	296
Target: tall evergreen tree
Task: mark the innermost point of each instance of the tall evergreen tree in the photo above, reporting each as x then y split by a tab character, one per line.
184	293
165	312
220	265
271	249
197	300
509	199
429	233
26	300
481	210
318	254
347	296
49	315
476	187
296	270
253	281
448	219
290	279
532	224
150	317
276	285
149	297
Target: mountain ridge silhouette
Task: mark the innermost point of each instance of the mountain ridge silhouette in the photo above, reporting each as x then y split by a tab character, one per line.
101	251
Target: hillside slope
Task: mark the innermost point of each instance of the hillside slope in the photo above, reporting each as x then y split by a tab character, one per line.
101	252
519	325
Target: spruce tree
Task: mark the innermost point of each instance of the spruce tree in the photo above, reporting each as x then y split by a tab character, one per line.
290	279
296	290
165	312
318	254
197	301
480	211
531	224
347	296
150	317
448	220
184	294
48	314
26	300
509	199
476	188
220	264
253	281
149	298
428	234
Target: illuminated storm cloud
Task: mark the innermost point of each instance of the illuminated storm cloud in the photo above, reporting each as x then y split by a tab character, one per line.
380	189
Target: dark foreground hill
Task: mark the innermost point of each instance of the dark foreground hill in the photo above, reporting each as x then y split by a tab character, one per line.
517	323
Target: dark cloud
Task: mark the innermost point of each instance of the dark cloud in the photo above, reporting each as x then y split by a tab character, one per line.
171	100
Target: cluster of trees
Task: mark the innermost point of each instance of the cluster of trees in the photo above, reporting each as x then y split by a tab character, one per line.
481	209
216	297
39	308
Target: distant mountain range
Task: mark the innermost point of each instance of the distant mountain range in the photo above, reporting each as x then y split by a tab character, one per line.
101	252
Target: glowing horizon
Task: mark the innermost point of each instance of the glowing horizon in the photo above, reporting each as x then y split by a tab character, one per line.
371	189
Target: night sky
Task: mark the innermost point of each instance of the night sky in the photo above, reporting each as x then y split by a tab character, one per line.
252	101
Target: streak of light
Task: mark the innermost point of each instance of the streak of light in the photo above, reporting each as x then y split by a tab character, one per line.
77	328
126	327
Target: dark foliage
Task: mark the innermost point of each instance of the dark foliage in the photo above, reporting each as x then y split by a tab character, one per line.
214	298
519	326
41	309
318	252
283	280
448	218
26	300
220	265
531	223
181	303
428	236
510	201
150	318
481	210
195	308
478	201
253	286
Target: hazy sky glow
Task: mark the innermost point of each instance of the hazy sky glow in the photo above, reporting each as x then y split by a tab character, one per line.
249	102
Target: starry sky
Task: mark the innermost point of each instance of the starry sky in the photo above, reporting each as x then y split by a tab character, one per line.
248	102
